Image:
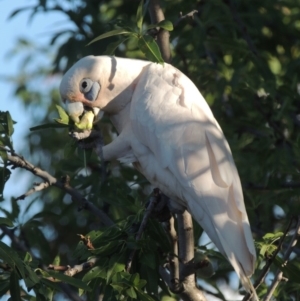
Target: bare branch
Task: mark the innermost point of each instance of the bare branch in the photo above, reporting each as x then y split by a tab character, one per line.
37	187
192	267
183	17
18	161
163	42
186	255
72	271
175	285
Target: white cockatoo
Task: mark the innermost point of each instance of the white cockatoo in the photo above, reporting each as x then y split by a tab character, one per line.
168	131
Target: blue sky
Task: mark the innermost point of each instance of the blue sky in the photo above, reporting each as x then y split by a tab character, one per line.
38	30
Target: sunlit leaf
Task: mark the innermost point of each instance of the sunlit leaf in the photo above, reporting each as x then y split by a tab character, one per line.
111	33
150	48
64	117
165	24
140	16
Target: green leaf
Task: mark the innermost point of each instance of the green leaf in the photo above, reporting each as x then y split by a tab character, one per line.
165	24
150	48
118	287
81	252
272	236
64	117
140	16
131	293
31	277
56	260
96	272
6	221
14	287
27	258
116	264
4	286
137	281
111	33
143	296
70	280
149	259
152	279
8	255
48	126
4	176
111	48
10	124
47	292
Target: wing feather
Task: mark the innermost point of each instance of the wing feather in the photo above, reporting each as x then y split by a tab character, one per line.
171	119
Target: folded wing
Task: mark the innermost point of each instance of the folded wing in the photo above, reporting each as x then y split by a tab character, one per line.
170	117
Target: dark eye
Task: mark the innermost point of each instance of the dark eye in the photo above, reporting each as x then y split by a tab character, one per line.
85	85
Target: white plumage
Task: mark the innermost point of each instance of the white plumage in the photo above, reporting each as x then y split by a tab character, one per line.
168	131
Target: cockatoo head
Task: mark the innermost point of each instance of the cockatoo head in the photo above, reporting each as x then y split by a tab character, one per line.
99	83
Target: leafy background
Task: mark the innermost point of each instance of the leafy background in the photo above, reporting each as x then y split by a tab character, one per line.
243	57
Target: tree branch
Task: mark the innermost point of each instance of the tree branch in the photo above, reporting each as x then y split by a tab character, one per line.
157	15
183	17
186	255
18	161
72	271
36	187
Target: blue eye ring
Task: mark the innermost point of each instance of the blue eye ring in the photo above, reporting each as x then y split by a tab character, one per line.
92	95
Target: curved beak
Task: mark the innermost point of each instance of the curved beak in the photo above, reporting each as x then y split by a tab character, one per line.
75	110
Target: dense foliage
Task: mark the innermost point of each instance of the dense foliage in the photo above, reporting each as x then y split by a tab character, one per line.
244	56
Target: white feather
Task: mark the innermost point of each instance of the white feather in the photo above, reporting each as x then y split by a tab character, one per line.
174	124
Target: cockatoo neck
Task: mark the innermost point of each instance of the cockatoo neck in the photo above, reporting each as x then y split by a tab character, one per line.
122	76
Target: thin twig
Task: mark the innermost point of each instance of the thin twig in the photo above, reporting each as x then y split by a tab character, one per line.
242	27
279	275
72	271
183	17
270	261
153	201
37	187
96	143
20	245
